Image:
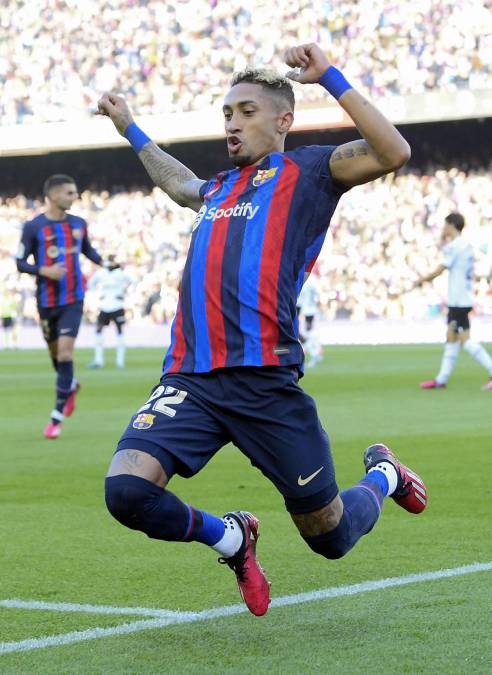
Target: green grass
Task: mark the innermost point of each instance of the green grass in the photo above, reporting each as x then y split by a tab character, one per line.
58	544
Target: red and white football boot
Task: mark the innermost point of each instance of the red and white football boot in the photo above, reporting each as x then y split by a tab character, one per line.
410	493
251	579
52	430
432	384
69	406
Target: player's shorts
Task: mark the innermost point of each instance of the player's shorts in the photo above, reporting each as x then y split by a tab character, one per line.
458	318
309	321
105	318
63	320
7	322
262	411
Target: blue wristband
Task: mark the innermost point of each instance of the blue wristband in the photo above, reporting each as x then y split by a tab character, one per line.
334	82
136	136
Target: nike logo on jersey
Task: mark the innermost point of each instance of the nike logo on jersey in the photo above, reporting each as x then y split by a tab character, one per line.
63	331
304	481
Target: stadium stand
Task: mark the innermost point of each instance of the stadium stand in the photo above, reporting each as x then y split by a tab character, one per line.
382	236
57	56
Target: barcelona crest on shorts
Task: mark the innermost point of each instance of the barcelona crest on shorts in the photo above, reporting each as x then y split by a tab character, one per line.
264	175
143	421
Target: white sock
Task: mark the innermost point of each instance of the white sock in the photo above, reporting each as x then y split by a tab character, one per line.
56	415
120	352
479	353
313	346
99	350
232	539
390	472
451	351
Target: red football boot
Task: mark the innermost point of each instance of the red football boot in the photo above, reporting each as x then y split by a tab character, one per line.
251	579
52	430
410	493
432	384
69	406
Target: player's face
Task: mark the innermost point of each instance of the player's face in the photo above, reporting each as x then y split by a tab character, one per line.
63	196
254	124
448	232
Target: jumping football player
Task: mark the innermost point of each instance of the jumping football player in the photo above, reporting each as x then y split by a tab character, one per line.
231	372
56	239
458	259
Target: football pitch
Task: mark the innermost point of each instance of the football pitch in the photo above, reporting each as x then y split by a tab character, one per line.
81	594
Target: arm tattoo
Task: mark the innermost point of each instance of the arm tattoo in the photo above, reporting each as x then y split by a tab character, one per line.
169	174
348	153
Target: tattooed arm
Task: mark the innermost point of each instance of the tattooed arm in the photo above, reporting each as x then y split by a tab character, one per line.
179	182
382	151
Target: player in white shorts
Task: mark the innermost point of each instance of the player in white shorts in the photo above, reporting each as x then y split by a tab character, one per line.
112	284
458	259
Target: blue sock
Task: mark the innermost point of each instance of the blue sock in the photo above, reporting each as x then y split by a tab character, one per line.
362	503
378	477
361	509
63	383
212	529
141	505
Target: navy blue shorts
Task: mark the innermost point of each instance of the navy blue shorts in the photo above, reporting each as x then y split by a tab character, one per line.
262	411
458	318
61	320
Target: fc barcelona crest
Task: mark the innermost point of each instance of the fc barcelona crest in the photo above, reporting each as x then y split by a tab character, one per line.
264	175
143	421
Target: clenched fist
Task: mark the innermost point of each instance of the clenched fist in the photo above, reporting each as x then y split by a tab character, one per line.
308	60
117	109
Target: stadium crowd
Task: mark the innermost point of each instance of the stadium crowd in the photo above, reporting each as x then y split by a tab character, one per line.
57	56
382	237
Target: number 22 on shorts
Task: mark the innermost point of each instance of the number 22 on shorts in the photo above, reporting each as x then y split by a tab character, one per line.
163	398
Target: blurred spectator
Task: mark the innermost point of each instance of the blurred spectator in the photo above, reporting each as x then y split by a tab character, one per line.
58	56
382	237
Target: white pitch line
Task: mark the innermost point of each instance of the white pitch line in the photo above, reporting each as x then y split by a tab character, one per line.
91	609
220	612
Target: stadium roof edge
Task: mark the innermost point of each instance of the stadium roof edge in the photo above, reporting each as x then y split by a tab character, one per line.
96	132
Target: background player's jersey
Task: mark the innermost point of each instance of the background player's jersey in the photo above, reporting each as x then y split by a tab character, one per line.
458	258
51	242
112	286
309	297
259	230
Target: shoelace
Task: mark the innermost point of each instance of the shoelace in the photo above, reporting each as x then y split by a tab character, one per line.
236	565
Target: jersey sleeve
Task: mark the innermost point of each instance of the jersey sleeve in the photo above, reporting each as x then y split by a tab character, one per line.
315	161
205	188
27	247
88	250
449	254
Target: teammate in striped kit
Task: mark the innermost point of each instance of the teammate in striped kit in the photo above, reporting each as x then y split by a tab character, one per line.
56	239
232	369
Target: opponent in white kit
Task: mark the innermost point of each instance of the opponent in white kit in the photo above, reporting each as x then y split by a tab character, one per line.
112	284
458	259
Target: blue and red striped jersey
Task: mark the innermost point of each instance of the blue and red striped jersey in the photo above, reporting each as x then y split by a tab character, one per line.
51	242
259	231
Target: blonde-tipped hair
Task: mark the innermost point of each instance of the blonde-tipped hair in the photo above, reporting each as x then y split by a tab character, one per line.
270	80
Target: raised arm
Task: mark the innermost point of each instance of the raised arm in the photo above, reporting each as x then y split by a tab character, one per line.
177	181
383	149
